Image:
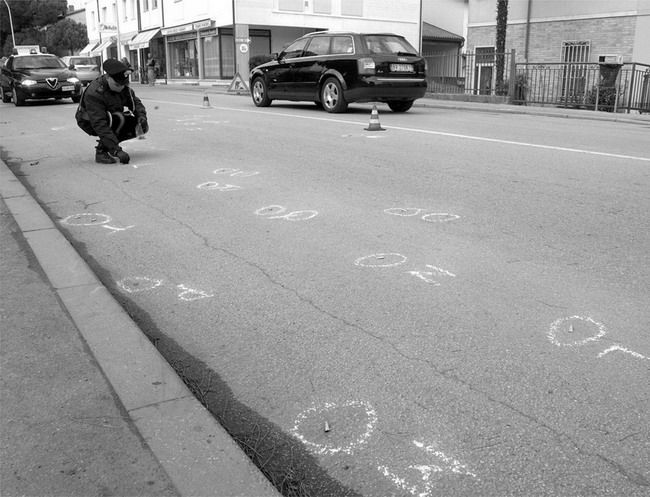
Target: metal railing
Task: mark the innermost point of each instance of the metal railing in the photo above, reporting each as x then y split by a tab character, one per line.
468	73
611	88
580	85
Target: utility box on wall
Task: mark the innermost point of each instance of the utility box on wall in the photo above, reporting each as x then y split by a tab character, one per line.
608	59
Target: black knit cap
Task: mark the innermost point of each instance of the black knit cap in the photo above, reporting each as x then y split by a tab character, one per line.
117	70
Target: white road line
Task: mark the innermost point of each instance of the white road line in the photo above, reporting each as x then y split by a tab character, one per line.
425	131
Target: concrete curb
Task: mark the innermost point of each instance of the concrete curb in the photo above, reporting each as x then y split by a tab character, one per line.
195	451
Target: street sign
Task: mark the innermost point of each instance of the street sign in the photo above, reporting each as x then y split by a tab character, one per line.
243	40
237	84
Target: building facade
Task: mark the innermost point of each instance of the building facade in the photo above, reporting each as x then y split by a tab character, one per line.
548	31
194	41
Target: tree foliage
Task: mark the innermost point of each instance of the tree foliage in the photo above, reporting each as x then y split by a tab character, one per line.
66	37
502	26
31	18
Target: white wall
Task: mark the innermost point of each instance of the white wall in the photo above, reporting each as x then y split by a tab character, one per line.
400	17
446	14
481	11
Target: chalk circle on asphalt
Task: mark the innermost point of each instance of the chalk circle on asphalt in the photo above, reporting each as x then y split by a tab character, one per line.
439	217
277	212
381	260
213	185
575	331
349	425
86	219
134	284
399	211
234	172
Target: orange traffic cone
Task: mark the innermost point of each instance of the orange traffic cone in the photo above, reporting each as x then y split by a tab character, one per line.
374	121
206	102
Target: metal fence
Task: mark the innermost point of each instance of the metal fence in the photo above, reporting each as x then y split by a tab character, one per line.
468	73
605	87
612	88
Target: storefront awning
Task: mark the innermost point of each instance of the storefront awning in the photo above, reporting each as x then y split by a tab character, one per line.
101	47
88	48
141	40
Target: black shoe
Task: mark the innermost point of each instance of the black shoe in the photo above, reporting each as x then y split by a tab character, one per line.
102	157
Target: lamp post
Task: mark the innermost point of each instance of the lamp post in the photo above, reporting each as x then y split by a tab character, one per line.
11	23
234	38
117	27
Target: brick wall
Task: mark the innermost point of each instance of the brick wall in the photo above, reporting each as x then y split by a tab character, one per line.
613	35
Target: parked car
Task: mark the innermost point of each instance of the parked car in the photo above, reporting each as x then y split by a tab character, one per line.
36	77
334	69
87	68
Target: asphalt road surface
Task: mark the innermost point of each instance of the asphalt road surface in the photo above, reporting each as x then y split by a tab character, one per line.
457	305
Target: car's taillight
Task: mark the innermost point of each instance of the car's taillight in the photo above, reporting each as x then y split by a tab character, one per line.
366	66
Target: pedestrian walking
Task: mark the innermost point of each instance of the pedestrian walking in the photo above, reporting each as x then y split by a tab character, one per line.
151	70
110	110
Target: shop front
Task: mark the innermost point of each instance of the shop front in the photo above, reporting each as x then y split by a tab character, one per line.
200	51
184	50
140	47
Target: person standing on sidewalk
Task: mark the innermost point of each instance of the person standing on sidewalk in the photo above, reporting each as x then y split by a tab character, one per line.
110	110
151	70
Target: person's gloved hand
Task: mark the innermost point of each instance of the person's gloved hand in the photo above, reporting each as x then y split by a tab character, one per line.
121	155
142	121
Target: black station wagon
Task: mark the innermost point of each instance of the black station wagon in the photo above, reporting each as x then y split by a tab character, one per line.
335	69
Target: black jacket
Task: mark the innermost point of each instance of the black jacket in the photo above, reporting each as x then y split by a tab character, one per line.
98	100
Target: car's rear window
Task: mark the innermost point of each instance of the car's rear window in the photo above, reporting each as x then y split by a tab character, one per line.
382	44
38	62
83	61
342	44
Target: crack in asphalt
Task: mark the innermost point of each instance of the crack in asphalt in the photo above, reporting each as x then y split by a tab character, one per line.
632	476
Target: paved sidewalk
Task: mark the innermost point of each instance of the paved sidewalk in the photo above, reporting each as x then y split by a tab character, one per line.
87	404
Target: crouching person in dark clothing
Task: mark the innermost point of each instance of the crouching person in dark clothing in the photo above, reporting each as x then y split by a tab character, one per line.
110	110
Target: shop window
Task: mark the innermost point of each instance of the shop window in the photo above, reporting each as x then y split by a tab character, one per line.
226	42
211	59
260	42
183	59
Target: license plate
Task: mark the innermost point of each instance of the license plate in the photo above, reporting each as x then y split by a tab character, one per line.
401	68
67	88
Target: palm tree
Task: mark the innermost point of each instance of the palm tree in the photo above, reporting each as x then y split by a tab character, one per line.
502	25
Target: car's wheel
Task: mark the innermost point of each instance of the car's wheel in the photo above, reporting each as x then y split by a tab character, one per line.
401	105
260	93
6	96
76	99
17	101
331	95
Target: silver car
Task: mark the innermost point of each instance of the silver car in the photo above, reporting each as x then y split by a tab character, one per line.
87	68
